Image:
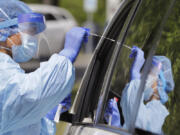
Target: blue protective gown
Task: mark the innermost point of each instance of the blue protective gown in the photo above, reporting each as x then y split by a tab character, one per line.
26	98
150	117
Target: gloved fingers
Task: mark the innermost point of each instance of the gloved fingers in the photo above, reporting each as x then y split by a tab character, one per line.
138	56
50	115
133	52
110	105
136	53
65	108
112	114
75	33
73	42
86	35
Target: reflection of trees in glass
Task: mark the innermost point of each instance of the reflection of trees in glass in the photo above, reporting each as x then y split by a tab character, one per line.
121	73
170	47
149	14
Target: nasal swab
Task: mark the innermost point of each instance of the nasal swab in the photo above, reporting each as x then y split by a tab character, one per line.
96	35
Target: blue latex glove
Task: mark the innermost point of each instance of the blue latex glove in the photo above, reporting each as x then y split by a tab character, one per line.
112	111
66	103
73	41
138	56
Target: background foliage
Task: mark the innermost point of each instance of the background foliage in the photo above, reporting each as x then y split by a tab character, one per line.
76	8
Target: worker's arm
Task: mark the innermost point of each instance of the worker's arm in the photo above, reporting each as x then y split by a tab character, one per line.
38	92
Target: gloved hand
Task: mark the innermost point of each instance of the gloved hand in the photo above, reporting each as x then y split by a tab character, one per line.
112	114
138	56
73	41
66	103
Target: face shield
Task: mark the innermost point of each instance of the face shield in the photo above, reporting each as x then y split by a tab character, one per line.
160	79
151	86
30	27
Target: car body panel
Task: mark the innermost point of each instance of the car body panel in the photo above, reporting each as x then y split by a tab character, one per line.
58	22
90	130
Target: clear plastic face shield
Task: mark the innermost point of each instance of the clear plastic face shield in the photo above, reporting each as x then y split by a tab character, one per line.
152	82
33	43
32	27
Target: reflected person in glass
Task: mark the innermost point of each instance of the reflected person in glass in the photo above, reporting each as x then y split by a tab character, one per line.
152	112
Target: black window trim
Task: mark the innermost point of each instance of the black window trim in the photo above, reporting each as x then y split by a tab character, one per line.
98	55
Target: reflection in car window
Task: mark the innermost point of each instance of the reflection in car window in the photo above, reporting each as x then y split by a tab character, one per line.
170	47
149	15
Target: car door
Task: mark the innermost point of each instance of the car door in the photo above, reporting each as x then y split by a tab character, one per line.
108	71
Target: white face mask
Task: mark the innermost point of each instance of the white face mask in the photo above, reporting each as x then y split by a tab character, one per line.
28	49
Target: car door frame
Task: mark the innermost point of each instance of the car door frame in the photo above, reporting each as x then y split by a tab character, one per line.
113	31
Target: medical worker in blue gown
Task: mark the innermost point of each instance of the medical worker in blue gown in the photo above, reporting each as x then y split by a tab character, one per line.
25	99
152	111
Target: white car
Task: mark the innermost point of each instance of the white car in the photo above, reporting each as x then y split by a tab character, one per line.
58	22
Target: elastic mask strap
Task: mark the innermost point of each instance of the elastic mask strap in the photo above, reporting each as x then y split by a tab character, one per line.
6	47
8	23
2	47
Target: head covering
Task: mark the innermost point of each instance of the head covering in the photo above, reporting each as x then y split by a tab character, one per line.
10	9
165	79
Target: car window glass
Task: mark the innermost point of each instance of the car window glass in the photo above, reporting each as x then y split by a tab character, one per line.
148	17
49	17
169	46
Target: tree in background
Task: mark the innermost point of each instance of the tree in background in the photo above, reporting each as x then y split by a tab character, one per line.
76	8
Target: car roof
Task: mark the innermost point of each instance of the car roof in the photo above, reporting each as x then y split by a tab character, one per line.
42	8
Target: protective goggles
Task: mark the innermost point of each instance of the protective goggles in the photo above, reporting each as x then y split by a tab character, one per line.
30	23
